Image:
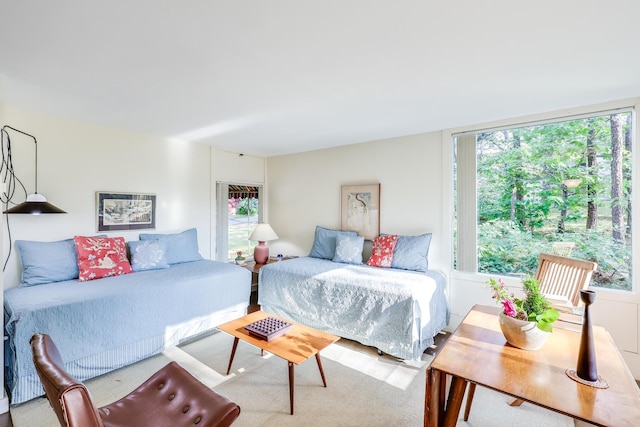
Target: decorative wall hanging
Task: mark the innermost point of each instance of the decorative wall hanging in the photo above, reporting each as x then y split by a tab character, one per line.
125	211
360	206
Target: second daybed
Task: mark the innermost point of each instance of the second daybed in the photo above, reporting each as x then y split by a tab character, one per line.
101	325
396	310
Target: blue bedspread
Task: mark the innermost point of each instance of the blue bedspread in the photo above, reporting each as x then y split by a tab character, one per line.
397	311
108	323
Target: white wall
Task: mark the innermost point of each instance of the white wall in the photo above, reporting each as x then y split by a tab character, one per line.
77	159
4	400
304	190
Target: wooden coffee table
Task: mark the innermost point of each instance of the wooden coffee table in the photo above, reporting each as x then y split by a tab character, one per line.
297	345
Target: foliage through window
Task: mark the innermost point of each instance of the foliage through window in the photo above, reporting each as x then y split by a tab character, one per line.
243	218
567	181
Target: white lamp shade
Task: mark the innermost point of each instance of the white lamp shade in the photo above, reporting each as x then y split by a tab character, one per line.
262	233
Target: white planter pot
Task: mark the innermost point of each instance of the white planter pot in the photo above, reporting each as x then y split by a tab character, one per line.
521	333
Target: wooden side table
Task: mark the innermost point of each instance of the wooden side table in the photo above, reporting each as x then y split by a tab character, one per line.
254	268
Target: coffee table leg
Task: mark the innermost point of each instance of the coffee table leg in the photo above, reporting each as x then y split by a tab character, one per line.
324	381
233	353
291	386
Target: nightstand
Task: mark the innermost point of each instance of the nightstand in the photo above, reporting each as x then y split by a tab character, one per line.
255	272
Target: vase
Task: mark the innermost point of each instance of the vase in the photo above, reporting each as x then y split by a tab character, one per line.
522	333
587	369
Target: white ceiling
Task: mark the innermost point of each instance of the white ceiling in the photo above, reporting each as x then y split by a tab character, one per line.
280	76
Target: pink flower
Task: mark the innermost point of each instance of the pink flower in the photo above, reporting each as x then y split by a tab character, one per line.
509	308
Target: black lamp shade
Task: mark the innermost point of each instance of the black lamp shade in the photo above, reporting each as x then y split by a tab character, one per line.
35	204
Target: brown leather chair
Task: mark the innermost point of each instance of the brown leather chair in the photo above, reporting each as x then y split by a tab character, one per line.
172	397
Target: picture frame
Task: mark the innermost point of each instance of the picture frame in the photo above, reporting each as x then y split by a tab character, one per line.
125	211
360	209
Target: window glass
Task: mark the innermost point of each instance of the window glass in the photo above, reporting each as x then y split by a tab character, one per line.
239	210
562	187
243	205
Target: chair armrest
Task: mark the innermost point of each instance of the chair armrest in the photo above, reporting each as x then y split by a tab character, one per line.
78	408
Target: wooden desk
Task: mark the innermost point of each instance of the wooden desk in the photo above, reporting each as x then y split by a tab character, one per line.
477	352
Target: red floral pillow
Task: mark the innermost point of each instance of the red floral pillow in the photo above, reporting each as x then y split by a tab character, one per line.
101	257
382	251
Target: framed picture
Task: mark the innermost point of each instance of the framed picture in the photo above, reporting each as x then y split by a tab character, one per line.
360	206
125	211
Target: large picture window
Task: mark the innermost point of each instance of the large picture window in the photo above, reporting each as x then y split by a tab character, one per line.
558	187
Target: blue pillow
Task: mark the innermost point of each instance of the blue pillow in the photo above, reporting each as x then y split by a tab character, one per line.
148	254
324	243
349	249
181	247
411	253
46	262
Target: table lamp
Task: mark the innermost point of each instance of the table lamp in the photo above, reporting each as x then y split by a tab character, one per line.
262	233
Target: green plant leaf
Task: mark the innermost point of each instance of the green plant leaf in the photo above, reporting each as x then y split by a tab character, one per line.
544	326
545	319
548	316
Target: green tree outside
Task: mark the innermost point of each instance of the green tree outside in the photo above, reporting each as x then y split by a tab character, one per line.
526	201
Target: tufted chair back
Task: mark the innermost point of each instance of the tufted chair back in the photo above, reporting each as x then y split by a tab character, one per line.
172	397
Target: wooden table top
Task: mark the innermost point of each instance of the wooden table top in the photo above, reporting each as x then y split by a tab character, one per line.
478	352
254	267
297	345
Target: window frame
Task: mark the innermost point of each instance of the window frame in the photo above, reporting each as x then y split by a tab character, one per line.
449	210
222	217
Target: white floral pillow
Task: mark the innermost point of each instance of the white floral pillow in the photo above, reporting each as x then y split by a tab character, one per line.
148	254
349	249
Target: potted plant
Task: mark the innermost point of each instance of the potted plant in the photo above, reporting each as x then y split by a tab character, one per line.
239	258
527	322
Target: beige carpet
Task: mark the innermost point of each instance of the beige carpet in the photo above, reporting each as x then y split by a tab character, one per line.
364	389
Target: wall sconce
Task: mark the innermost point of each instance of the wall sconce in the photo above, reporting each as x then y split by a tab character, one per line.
35	204
262	233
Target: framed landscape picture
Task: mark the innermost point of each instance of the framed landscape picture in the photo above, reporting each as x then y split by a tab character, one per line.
360	206
125	211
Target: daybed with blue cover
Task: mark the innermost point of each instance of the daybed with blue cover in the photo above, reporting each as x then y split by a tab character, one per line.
101	325
398	309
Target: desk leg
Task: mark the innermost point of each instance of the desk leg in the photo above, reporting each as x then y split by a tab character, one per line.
291	386
454	402
467	408
233	353
433	405
324	381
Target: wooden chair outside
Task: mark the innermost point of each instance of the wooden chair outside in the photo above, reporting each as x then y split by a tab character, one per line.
561	279
562	248
564	277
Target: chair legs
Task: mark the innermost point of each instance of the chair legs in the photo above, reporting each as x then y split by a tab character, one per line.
516	402
470	393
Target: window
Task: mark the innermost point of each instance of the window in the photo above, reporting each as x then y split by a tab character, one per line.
239	212
543	187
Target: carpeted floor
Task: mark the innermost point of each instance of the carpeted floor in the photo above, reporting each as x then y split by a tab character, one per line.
364	389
